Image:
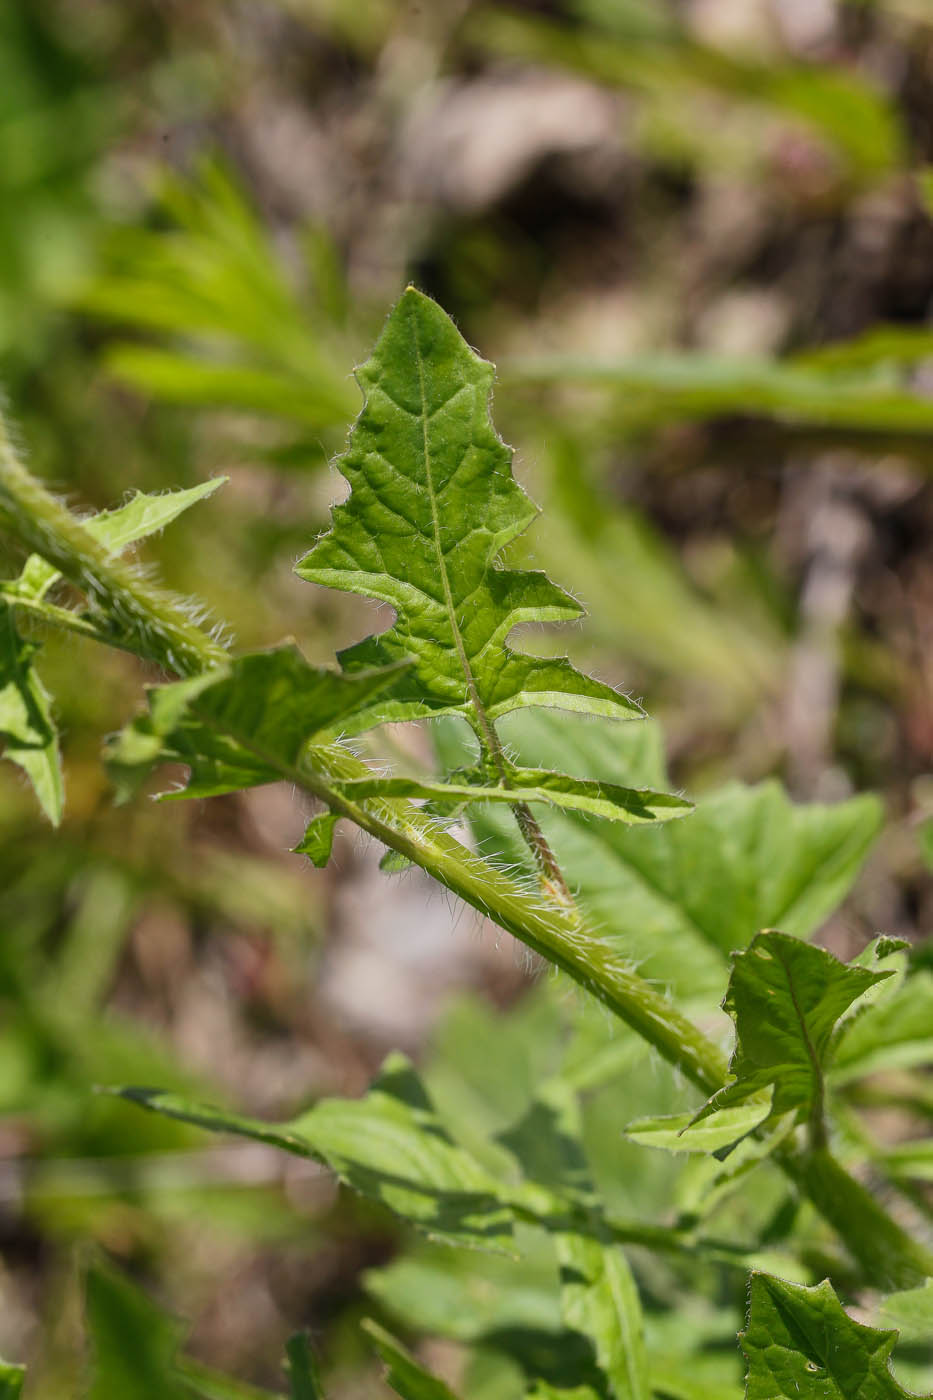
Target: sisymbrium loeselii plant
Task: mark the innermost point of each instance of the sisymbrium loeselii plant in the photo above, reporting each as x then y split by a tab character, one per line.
654	910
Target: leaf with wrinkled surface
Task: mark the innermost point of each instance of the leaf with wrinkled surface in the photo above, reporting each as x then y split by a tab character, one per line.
432	504
785	998
801	1345
390	1145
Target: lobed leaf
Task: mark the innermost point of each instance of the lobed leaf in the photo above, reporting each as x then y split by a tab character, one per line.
785	998
390	1145
432	504
801	1345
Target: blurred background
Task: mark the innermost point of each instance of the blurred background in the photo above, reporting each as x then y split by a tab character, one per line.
696	238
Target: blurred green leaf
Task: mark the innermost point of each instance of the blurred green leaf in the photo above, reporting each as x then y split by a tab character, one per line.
390	1145
11	1381
302	1369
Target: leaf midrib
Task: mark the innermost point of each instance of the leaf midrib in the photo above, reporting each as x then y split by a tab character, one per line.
488	736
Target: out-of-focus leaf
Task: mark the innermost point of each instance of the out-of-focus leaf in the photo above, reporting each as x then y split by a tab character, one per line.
390	1145
694	386
214	280
432	503
911	1312
405	1375
785	997
801	1345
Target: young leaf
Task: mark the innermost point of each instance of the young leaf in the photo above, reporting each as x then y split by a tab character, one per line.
801	1345
433	503
27	730
390	1145
785	997
405	1375
679	1133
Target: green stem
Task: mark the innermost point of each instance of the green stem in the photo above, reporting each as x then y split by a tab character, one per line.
149	621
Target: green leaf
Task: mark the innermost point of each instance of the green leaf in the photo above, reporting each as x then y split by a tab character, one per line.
801	1345
785	997
634	806
302	1369
12	1379
240	725
405	1375
433	503
318	840
390	1145
27	730
678	898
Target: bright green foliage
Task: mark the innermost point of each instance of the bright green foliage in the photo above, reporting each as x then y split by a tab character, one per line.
801	1345
390	1145
432	504
404	1374
785	997
12	1379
